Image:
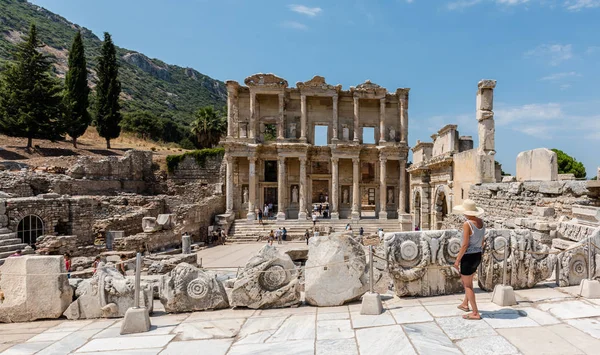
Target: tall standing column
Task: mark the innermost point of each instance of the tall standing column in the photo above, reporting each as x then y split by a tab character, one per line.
382	120
303	118
485	119
401	193
302	198
403	103
335	119
335	214
356	114
252	129
230	103
252	193
355	189
229	185
382	188
281	125
281	189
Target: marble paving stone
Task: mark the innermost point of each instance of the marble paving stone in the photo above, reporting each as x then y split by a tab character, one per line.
46	324
69	343
397	302
224	328
459	328
539	316
296	327
31	331
331	316
508	318
448	299
257	330
337	309
125	343
144	351
590	326
577	338
26	348
71	325
116	331
5	346
489	345
295	347
99	324
15	338
538	340
354	307
220	314
542	293
278	312
334	329
364	321
428	338
383	340
337	347
571	309
212	347
171	319
46	336
415	314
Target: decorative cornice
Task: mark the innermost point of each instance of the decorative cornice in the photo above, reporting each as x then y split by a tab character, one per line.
266	80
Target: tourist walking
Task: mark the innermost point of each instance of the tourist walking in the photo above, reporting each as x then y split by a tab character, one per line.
314	218
16	253
278	235
320	210
121	265
260	216
284	234
306	236
271	237
380	233
67	257
96	262
347	226
361	231
469	256
266	211
271	209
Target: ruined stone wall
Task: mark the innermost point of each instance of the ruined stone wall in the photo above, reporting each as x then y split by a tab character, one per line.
130	222
134	165
464	174
211	173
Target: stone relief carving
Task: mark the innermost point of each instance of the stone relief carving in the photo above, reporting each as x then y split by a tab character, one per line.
295	194
390	195
345	194
345	133
317	82
573	262
266	80
269	280
392	135
292	131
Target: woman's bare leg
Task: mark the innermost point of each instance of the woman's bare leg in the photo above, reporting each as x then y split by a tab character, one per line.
465	302
468	284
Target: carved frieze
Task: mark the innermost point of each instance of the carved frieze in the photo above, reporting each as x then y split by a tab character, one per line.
266	80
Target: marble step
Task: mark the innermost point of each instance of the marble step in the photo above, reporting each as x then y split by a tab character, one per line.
10	241
11	235
12	247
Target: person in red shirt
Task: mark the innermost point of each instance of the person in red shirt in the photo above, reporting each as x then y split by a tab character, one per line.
67	257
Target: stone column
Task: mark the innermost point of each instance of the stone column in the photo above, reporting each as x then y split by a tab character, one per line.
355	189
403	102
229	185
335	119
281	124
382	188
356	114
302	194
485	117
335	214
402	189
382	120
281	189
252	188
303	118
252	128
231	110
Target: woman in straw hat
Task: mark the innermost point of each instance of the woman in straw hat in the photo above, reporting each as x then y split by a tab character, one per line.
469	256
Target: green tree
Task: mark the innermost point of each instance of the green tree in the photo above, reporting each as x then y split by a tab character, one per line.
108	115
569	165
30	100
76	96
209	126
143	124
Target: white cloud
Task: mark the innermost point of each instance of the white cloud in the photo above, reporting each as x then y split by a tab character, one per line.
461	4
294	25
577	5
305	10
553	53
512	2
560	76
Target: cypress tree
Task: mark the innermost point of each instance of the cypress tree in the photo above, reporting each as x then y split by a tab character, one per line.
76	96
108	89
30	100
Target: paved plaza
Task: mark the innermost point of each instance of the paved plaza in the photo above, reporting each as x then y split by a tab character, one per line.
548	320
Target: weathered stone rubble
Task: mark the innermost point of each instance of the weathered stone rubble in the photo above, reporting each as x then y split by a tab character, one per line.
269	280
336	271
187	288
420	263
34	287
107	294
528	261
574	261
162	264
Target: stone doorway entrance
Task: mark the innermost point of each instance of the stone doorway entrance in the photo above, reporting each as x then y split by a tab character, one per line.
320	191
270	197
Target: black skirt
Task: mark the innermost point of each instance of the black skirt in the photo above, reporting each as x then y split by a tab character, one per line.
469	263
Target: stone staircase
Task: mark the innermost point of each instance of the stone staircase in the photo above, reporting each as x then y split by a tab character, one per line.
9	244
244	231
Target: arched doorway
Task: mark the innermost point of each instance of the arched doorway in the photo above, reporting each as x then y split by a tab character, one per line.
417	210
29	229
441	207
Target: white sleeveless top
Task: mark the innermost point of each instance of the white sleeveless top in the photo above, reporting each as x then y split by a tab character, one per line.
476	239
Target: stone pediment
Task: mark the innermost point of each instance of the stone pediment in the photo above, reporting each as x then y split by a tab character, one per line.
317	83
266	80
370	88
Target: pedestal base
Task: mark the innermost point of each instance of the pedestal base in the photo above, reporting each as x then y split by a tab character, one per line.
281	216
355	215
404	217
251	216
383	215
504	296
371	304
335	215
302	216
589	288
136	320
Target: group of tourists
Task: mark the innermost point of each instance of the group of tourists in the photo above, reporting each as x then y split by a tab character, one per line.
266	213
279	234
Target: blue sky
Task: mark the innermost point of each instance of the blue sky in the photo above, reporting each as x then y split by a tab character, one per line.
545	55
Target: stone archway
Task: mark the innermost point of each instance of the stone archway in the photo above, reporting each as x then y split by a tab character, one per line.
416	209
441	206
29	229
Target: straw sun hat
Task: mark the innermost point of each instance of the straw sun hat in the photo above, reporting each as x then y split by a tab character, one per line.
468	208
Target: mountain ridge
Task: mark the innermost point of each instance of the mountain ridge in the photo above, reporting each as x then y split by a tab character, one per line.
150	84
